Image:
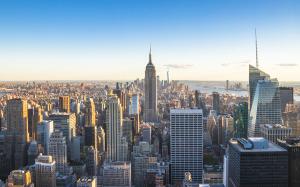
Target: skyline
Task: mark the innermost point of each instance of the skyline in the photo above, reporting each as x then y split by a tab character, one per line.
109	40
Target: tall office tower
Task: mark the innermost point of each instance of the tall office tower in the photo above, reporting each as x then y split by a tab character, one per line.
186	139
66	123
64	104
135	106
255	75
227	85
286	96
228	127
256	162
4	159
128	130
44	131
31	122
124	150
90	113
45	171
19	178
114	122
121	95
168	77
275	132
92	161
58	150
17	131
146	133
240	116
216	102
76	149
90	136
101	140
117	174
34	117
32	152
150	88
291	118
265	108
200	103
87	182
292	145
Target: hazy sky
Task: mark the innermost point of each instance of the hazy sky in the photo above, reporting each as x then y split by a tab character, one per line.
109	39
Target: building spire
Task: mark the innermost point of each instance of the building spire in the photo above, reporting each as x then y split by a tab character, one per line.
256	49
150	56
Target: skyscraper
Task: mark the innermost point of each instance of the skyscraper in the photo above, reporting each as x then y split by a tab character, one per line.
134	104
64	104
114	121
256	162
255	75
292	145
150	88
92	161
32	152
66	123
34	117
17	131
186	138
58	150
286	96
266	107
90	113
240	116
44	131
45	171
216	102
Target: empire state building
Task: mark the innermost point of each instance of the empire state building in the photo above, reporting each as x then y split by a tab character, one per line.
150	107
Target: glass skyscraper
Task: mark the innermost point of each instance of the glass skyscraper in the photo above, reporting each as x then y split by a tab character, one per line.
255	75
266	107
240	117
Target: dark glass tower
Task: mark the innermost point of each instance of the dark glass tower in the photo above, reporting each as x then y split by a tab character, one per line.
240	117
256	162
292	145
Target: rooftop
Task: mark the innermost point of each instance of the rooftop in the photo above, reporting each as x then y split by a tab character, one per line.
255	144
185	110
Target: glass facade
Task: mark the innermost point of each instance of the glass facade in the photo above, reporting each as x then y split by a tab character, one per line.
255	75
240	117
266	106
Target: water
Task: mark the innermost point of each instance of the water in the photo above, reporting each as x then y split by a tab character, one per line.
215	87
208	87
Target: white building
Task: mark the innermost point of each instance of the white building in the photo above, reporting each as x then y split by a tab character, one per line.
274	132
186	144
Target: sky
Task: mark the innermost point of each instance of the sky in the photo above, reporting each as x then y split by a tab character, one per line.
110	39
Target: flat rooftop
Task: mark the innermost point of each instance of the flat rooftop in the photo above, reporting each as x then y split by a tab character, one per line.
255	144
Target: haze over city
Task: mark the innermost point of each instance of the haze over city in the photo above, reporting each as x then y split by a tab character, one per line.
109	40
